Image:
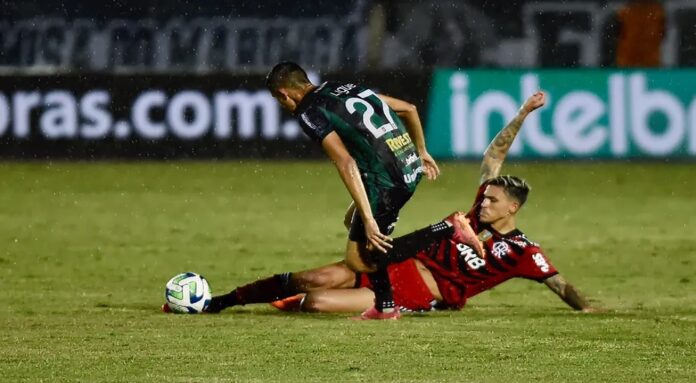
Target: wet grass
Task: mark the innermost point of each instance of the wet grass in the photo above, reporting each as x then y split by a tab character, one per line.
87	249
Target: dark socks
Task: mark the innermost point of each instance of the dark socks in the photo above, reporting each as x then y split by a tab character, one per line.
384	300
262	291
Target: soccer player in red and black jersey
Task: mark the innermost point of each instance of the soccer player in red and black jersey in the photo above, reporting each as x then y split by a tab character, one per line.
447	272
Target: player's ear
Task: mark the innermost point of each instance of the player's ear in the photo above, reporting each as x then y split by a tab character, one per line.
514	207
283	94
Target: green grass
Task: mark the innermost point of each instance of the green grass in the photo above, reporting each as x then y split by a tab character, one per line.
87	248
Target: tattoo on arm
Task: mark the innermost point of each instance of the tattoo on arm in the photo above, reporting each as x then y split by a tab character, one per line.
495	153
567	292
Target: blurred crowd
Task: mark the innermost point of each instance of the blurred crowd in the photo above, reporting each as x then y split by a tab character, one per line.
214	36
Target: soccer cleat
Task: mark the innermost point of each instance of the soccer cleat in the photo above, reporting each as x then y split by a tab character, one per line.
293	303
373	314
464	233
215	305
166	309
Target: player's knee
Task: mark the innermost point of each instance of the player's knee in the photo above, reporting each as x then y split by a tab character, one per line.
314	280
320	280
313	303
356	262
358	266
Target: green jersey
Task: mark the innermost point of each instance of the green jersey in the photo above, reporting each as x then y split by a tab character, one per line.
373	134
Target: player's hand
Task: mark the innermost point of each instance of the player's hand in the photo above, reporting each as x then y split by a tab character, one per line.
348	218
534	102
432	171
375	238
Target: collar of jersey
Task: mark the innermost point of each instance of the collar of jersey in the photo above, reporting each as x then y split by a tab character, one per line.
512	233
307	99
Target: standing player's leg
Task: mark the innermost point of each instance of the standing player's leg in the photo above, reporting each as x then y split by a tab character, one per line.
385	205
357	258
360	259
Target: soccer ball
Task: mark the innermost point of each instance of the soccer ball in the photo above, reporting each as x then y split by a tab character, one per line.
187	293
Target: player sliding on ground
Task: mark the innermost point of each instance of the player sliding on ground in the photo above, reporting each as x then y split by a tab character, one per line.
446	272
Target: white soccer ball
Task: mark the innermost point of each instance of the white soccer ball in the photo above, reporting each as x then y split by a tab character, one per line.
187	293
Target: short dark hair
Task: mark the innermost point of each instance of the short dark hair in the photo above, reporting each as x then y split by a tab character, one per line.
514	187
286	74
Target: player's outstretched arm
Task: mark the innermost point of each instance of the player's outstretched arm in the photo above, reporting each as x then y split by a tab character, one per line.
495	154
568	293
350	175
408	113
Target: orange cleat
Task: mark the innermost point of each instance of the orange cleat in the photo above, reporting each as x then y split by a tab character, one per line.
293	303
464	233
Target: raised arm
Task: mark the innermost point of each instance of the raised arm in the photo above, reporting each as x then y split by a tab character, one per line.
568	293
350	175
495	154
408	113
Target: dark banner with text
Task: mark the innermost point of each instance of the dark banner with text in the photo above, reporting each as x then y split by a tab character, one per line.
160	117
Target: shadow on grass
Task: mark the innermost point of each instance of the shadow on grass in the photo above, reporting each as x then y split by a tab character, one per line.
255	311
474	313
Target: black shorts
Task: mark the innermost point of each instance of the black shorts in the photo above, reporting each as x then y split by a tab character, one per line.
386	213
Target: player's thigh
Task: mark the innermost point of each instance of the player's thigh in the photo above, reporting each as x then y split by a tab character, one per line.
386	207
357	253
339	300
356	246
355	257
428	279
385	211
332	276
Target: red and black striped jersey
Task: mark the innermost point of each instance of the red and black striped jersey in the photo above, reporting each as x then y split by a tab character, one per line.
460	273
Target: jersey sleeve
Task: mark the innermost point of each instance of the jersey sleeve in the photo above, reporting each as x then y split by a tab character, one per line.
315	124
535	265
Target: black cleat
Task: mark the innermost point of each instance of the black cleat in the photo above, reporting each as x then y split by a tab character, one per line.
215	306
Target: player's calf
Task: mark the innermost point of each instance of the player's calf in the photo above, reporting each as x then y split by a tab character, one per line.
409	245
266	290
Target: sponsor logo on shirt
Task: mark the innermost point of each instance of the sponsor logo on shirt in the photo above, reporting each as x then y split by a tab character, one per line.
398	142
485	236
413	176
500	249
541	262
413	157
470	256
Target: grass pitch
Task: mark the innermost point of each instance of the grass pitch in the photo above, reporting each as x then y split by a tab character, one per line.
87	249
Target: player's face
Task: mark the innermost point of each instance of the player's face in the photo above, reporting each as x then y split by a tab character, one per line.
496	204
285	101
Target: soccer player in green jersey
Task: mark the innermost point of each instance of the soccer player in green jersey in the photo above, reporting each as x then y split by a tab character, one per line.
377	145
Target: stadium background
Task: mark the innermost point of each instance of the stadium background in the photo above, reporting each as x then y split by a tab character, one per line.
91	232
135	79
